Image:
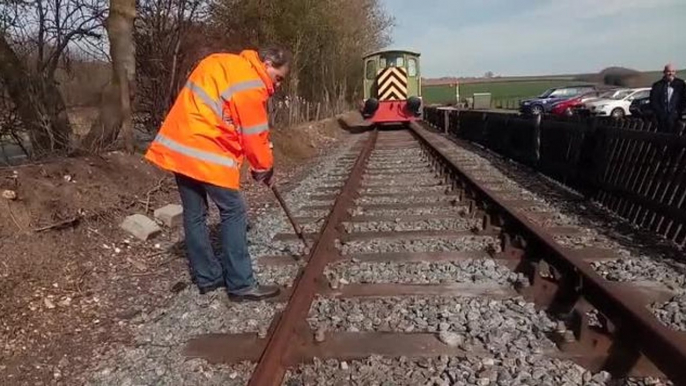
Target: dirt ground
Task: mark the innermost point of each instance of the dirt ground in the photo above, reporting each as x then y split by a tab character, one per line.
70	279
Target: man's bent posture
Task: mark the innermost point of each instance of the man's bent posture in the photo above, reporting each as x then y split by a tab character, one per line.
219	119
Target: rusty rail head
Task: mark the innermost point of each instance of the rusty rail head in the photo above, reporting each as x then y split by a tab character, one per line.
271	367
665	347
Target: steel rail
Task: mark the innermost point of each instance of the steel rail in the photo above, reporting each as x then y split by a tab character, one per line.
271	367
665	347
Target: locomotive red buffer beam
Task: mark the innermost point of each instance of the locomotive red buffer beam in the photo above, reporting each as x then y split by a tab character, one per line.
392	111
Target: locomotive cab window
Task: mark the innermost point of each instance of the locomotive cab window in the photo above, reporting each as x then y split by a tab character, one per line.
412	67
392	61
370	71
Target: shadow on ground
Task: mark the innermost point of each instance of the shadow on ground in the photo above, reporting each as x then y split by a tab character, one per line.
357	127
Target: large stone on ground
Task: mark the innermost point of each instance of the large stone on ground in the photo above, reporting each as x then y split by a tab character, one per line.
170	215
140	226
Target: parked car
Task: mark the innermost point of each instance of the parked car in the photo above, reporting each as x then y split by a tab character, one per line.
567	108
544	102
617	104
640	107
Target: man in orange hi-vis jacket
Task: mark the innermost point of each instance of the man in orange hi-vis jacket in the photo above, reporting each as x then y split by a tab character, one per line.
218	120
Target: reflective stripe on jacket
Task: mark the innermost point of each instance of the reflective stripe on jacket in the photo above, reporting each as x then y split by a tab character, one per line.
218	119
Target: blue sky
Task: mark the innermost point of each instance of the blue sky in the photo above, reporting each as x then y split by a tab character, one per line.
535	37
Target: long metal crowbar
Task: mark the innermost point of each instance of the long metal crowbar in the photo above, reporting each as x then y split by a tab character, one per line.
296	228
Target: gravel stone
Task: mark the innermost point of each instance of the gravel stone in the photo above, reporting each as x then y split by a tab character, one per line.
415	169
165	366
318	213
464	271
278	248
673	312
457	223
191	314
157	357
468	243
555	219
458	210
312	226
499	325
402	181
279	275
642	269
400	156
452	339
400	173
457	371
408	189
409	199
648	381
577	241
390	166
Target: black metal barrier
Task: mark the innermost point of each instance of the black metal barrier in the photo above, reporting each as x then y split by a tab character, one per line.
624	165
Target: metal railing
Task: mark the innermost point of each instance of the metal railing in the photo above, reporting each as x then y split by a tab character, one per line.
624	165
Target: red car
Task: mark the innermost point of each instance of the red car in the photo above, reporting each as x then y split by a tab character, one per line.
566	108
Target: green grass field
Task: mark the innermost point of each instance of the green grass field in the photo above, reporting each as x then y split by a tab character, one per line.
504	91
512	90
508	91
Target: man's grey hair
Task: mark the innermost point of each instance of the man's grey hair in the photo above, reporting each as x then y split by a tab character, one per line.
276	55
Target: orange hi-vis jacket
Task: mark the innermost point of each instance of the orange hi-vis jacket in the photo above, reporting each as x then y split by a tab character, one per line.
218	118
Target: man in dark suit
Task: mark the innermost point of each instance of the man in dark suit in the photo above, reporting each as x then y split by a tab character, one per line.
668	100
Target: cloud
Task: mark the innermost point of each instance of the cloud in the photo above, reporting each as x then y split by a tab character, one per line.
547	37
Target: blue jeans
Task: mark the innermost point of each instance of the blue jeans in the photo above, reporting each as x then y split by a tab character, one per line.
235	266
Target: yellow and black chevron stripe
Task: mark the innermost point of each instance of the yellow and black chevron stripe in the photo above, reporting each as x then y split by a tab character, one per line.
392	84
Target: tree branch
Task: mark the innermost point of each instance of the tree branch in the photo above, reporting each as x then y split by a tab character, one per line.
51	64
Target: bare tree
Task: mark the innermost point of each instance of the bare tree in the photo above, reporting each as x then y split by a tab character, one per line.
170	37
327	52
115	107
36	36
38	103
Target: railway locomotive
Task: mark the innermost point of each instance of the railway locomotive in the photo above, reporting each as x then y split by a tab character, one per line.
392	87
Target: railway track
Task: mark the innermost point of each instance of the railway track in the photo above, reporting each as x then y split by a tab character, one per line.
427	269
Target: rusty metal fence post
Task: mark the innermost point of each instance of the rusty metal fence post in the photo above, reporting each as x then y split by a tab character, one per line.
456	124
446	121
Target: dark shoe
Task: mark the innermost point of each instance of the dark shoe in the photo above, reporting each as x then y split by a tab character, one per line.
210	288
257	292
